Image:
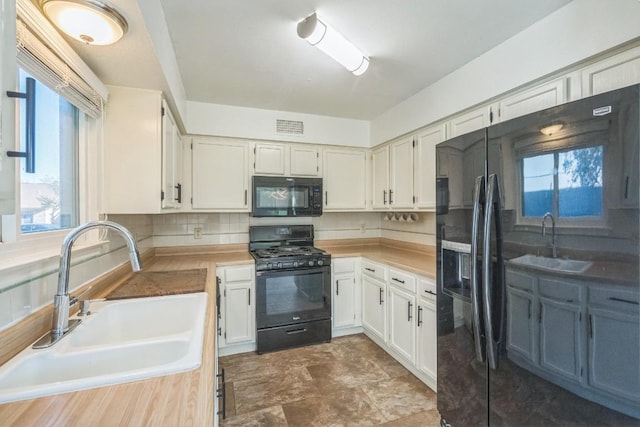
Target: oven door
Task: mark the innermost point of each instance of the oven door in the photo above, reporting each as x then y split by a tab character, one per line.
292	296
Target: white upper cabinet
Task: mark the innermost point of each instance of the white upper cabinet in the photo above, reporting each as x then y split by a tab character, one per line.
535	99
401	173
612	73
286	159
424	169
171	161
380	177
468	122
220	174
269	158
305	160
345	179
140	155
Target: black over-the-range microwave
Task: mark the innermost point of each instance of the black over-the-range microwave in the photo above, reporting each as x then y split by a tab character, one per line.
278	196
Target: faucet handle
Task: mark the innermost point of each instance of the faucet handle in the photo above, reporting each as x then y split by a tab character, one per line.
84	307
74	299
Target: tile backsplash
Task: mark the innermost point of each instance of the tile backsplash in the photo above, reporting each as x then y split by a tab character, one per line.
27	287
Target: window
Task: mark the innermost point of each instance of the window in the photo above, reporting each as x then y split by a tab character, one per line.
566	183
49	196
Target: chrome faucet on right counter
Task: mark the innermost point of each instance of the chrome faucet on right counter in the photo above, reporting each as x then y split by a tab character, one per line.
553	232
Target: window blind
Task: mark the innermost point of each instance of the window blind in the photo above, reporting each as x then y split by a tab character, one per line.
42	62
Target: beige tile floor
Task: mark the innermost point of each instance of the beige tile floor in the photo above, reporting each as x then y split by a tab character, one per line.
350	381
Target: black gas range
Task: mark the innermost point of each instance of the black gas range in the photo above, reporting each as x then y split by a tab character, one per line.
293	287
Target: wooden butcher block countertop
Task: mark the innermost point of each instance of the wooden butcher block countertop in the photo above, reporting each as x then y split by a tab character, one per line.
182	399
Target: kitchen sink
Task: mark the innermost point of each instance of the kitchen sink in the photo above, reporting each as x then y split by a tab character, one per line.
561	265
121	341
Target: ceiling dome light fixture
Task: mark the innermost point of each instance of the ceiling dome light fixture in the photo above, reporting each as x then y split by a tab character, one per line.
89	21
552	128
332	43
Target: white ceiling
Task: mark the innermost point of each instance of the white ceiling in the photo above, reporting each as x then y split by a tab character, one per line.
247	52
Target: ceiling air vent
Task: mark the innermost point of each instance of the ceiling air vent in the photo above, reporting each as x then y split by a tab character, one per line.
289	127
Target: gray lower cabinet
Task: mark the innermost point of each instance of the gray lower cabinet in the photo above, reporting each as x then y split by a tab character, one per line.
560	338
520	323
614	350
581	335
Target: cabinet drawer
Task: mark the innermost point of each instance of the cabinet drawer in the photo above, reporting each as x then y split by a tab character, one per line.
402	279
559	289
344	265
374	270
426	287
622	299
519	280
238	274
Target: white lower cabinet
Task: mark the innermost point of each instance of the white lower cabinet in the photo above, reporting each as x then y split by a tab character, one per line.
374	313
399	314
427	324
345	291
237	328
402	323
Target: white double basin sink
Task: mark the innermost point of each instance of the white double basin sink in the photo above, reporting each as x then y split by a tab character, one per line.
560	265
120	341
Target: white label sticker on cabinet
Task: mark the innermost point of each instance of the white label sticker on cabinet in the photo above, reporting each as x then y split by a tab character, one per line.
602	111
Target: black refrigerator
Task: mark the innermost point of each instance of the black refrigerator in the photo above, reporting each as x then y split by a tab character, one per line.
537	240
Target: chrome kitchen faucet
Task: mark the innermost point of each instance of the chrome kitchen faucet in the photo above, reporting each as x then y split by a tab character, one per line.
553	232
61	301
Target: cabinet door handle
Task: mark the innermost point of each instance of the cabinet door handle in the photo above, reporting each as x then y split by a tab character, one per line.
419	316
390	196
370	269
381	300
326	198
624	300
590	326
249	296
384	197
337	287
397	280
179	188
409	314
626	187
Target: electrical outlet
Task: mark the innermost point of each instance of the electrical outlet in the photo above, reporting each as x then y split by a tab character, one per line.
197	233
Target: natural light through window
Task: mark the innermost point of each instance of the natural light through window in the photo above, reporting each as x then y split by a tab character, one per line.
568	184
49	197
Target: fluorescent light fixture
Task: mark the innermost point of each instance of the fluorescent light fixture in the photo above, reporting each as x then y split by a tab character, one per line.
89	21
551	129
331	42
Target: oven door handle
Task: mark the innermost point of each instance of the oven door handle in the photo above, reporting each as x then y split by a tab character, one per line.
296	271
297	331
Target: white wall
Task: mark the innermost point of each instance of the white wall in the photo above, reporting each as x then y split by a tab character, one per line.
255	123
580	30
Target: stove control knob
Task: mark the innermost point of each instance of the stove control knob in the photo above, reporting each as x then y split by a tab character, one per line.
279	265
311	263
269	265
295	264
320	262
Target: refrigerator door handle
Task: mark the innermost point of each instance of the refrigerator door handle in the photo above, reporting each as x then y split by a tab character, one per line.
491	290
473	270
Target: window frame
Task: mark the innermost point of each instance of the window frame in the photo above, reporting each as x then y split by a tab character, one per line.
590	222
